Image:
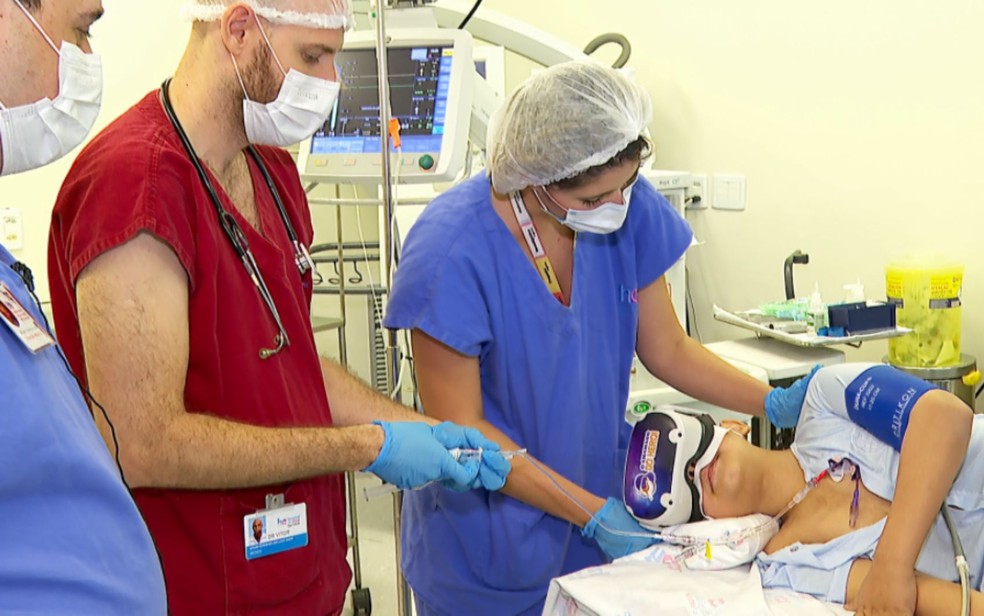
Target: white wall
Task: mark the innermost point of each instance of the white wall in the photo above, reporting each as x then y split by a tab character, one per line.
858	125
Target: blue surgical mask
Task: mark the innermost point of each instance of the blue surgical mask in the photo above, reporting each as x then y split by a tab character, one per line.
602	220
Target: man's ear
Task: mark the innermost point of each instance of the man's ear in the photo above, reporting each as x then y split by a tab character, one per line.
739	427
237	23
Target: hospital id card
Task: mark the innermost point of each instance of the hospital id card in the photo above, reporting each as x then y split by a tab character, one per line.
272	531
20	321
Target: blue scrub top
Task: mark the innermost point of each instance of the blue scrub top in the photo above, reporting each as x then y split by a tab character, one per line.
554	378
71	538
825	431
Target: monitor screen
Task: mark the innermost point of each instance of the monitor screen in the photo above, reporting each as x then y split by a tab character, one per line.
419	78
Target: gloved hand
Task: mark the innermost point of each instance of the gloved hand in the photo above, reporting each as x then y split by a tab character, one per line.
783	405
614	516
415	454
493	467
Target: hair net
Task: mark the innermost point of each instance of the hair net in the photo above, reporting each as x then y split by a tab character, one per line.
321	14
563	121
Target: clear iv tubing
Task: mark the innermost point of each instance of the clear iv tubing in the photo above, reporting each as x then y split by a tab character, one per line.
694	543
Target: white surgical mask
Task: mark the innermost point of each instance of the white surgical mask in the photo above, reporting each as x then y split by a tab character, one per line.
606	218
40	133
300	109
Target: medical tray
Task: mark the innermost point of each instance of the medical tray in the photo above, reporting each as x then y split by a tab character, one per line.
747	320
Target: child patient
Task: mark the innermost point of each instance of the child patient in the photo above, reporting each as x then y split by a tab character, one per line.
870	534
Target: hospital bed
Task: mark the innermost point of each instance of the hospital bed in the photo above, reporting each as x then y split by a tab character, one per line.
648	583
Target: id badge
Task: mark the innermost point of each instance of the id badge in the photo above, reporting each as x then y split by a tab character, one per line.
21	323
272	531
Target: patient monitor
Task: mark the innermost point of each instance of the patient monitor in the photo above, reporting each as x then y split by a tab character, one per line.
433	84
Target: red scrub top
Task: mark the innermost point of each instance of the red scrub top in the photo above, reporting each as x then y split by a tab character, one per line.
135	177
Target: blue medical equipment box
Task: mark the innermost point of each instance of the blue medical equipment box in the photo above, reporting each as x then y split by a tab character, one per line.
858	317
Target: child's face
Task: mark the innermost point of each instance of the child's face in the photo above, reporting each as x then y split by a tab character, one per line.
728	482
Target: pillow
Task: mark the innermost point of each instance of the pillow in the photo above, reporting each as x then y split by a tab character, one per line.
733	542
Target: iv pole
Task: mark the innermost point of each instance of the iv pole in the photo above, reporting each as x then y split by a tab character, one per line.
392	349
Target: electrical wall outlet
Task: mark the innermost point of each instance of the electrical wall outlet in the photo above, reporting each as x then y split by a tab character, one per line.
697	193
729	191
11	228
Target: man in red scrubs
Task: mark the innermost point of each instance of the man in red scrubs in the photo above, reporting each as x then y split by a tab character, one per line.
218	398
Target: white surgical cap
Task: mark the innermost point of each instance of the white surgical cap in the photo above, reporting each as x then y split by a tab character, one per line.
563	121
320	14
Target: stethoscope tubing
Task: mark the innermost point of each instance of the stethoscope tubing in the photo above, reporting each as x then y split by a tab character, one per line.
233	231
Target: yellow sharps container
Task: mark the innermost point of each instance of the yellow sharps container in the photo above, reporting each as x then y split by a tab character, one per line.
927	295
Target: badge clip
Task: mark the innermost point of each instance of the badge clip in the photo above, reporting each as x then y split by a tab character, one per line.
274	501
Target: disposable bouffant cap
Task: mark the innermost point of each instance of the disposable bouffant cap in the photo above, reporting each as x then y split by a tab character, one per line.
563	121
319	14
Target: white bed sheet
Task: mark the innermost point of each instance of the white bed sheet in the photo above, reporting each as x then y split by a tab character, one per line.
645	584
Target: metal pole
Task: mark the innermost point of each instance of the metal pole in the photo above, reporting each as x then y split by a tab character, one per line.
392	358
342	339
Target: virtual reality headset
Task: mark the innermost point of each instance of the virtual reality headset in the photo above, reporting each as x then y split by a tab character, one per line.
668	448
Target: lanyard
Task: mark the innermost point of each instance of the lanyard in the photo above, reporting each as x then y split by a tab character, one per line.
528	229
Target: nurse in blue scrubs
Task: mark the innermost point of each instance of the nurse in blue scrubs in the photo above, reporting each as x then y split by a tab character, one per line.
527	291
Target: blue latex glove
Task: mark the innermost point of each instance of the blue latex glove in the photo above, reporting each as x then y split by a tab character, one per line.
783	405
613	515
415	454
493	468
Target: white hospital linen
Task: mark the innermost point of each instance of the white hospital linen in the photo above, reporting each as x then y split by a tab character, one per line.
642	585
825	431
636	588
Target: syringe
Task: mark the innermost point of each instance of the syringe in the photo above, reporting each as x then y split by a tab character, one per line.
458	454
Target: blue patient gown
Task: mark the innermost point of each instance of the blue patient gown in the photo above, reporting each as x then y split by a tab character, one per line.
826	431
555	379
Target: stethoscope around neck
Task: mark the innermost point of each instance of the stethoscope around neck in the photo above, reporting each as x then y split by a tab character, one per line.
302	258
